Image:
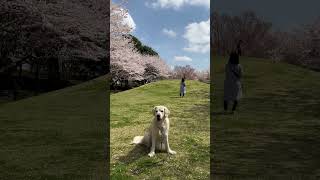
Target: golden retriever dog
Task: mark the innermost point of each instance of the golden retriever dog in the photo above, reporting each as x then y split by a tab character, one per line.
157	136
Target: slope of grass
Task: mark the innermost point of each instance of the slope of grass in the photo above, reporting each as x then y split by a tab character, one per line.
58	135
275	132
131	114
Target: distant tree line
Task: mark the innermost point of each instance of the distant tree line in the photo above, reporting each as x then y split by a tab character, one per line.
299	46
190	73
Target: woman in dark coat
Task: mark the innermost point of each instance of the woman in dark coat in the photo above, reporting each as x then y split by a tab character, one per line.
182	88
232	83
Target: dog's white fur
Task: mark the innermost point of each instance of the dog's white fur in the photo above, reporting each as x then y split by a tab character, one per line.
157	136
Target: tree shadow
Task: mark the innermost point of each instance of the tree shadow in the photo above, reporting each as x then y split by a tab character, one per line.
136	153
144	163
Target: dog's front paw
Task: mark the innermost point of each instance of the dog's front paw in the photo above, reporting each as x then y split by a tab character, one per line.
172	152
151	154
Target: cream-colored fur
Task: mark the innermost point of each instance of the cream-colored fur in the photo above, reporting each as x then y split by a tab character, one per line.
157	135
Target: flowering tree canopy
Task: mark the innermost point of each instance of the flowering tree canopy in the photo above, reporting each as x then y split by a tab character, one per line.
128	63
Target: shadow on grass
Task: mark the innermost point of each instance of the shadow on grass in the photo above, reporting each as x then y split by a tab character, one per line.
222	113
138	157
219	113
136	153
175	97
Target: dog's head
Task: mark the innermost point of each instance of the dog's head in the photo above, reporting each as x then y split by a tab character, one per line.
161	112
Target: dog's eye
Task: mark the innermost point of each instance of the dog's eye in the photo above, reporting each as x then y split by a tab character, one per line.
161	110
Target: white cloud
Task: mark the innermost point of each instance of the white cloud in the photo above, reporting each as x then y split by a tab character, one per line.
169	32
198	37
205	3
182	58
176	4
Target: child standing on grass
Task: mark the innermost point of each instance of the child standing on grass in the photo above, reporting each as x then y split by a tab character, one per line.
232	83
182	88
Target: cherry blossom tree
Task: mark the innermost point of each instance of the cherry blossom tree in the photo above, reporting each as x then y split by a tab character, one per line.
203	75
186	72
123	53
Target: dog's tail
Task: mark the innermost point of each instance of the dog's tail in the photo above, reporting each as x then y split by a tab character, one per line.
137	140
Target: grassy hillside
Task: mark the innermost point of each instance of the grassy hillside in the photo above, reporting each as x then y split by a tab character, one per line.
58	135
276	130
131	114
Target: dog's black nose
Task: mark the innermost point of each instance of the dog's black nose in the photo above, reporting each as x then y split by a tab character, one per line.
158	116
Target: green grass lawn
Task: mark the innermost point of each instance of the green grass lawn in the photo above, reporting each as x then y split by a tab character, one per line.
131	114
276	131
57	135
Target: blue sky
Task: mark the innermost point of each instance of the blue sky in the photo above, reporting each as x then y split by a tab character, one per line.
177	29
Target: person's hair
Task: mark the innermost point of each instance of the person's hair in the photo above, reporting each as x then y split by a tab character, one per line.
182	80
238	49
234	58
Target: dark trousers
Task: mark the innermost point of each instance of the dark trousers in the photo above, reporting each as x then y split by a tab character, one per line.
233	107
181	94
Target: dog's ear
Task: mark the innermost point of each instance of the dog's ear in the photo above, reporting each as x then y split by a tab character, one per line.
166	112
154	109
